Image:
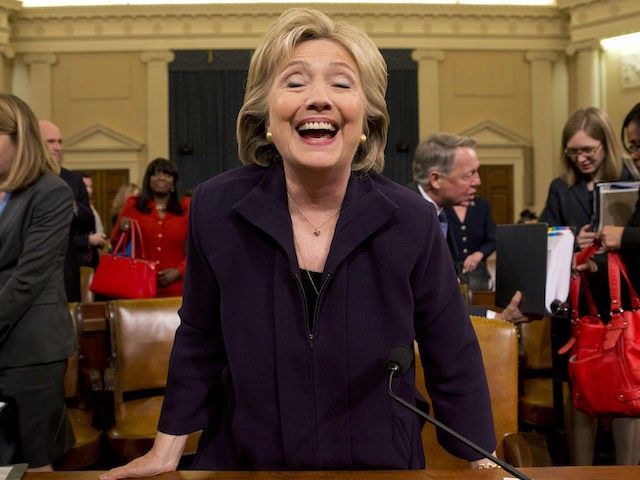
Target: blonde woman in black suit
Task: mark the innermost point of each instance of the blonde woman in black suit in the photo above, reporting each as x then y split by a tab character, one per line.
36	332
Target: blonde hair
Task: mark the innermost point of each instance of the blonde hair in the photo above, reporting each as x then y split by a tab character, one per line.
32	157
125	191
295	26
595	123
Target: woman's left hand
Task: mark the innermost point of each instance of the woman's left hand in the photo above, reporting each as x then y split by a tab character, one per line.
472	261
611	237
589	266
170	275
484	463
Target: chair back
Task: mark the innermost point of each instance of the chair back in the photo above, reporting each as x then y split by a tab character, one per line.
142	333
86	276
535	341
72	374
499	345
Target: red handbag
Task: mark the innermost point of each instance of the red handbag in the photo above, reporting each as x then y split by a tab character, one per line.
604	366
118	276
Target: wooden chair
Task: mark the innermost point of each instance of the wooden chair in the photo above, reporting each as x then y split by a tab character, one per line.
536	402
86	275
499	345
86	451
142	333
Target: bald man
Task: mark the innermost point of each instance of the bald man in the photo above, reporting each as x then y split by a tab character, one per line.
83	223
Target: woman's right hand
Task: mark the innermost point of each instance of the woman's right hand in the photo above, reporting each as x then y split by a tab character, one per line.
163	457
585	237
125	224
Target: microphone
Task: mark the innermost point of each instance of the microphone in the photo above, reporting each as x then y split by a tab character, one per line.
399	360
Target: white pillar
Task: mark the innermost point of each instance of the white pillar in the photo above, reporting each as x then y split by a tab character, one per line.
40	94
588	74
428	90
6	53
157	102
544	150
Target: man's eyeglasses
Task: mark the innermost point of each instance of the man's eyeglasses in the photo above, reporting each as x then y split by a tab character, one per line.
574	153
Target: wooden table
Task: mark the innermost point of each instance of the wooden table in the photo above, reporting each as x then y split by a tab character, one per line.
547	473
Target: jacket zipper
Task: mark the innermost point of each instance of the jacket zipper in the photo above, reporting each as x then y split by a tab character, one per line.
310	327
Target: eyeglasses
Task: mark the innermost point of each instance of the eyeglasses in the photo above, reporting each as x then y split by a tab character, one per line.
632	148
574	153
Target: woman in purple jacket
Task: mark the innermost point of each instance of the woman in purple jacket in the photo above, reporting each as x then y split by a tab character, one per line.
304	268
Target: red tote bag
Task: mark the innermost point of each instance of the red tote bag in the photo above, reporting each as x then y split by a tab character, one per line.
118	276
604	366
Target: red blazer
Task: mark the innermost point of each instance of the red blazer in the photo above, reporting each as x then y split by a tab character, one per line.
165	239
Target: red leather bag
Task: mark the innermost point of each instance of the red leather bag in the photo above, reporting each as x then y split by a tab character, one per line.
604	366
118	276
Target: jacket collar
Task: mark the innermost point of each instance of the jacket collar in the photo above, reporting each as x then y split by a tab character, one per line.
365	209
583	197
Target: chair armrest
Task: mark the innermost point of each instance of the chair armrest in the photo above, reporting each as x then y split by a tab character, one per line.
526	449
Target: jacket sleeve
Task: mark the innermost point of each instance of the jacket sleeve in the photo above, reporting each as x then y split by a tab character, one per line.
551	212
450	353
489	241
44	247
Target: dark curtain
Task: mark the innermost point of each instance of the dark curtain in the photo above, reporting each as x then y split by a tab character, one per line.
206	89
402	103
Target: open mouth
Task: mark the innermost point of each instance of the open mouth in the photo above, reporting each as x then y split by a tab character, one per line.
317	130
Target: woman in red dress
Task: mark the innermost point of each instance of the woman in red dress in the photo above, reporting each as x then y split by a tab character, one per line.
162	214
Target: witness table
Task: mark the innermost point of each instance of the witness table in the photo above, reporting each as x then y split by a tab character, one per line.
546	473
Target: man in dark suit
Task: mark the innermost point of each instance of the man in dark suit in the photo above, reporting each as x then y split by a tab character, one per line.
445	173
83	223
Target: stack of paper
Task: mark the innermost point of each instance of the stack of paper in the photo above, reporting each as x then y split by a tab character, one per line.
535	259
13	472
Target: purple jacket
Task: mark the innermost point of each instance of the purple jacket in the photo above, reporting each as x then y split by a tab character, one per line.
270	394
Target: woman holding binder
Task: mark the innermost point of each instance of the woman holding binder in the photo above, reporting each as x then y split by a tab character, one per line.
591	154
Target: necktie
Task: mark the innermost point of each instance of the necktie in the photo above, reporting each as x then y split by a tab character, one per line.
443	223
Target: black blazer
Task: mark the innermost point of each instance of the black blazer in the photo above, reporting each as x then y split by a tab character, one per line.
35	324
82	225
568	206
451	240
453	250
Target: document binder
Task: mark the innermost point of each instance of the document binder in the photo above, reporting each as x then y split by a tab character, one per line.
536	260
614	203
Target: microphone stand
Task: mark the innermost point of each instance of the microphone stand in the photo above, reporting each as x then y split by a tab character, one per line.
395	369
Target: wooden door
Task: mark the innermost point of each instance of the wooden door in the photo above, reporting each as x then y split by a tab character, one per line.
105	186
497	187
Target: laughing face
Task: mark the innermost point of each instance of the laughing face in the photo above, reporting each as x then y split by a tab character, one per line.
316	107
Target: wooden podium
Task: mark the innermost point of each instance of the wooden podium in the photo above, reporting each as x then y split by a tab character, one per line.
546	473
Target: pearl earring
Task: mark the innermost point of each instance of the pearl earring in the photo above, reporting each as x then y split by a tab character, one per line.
363	139
269	137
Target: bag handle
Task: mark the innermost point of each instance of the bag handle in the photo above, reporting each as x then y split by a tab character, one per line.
136	236
618	322
617	266
581	280
574	296
136	231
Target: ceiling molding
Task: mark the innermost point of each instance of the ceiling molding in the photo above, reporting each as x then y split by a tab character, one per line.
240	26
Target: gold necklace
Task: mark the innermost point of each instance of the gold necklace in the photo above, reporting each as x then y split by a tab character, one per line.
304	264
316	228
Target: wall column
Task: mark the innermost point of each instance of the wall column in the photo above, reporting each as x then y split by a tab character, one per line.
428	90
157	102
6	53
40	94
588	75
544	157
